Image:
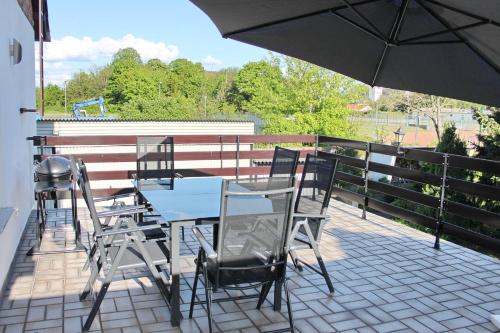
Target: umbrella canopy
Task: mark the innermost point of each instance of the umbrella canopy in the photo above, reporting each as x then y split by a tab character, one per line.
441	47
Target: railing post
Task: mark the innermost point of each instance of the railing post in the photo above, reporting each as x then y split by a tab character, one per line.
316	144
439	224
237	157
365	175
221	149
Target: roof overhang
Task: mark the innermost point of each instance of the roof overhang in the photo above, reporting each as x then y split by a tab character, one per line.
30	9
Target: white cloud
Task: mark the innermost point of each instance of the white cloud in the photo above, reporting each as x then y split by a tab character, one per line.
70	48
68	55
211	61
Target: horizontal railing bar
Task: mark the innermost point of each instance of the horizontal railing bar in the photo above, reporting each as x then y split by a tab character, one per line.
415	175
400	192
401	213
408	153
306	138
346	160
481	190
179	156
472	237
360	145
178	139
478	164
473	213
347	177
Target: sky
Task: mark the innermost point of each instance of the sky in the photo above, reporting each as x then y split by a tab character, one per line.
86	34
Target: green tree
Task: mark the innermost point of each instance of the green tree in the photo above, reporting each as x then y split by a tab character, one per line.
488	147
53	99
127	55
293	96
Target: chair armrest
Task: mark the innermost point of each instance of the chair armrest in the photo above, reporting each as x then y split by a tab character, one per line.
209	250
312	216
122	211
178	175
114	197
128	230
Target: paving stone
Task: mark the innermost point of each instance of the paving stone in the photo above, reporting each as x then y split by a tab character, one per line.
387	277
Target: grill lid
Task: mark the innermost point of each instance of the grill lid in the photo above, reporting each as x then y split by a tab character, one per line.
54	166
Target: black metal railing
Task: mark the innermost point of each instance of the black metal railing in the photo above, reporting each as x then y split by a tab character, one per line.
353	181
354	184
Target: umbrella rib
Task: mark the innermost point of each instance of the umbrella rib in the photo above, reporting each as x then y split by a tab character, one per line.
460	37
456	10
464	27
360	27
294	18
396	26
363	18
433	42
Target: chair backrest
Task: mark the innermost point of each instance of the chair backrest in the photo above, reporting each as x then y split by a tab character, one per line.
253	229
316	185
84	184
155	157
284	162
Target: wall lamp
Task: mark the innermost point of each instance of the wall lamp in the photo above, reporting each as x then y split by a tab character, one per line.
16	51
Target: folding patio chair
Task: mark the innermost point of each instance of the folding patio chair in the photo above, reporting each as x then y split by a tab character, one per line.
251	242
311	205
125	246
155	161
284	162
155	158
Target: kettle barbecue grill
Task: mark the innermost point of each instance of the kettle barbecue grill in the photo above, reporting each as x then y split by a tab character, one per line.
54	168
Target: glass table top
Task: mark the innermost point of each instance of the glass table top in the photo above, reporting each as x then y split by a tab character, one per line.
183	199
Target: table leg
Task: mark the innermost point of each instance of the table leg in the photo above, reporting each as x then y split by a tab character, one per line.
277	295
176	315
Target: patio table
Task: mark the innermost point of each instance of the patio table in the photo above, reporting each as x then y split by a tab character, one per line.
183	202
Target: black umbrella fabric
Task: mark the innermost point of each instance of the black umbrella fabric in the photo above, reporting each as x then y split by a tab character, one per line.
442	47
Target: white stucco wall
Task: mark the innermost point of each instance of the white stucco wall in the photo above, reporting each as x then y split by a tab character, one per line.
17	89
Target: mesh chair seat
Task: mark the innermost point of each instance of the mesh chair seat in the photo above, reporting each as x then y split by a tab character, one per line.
133	256
241	276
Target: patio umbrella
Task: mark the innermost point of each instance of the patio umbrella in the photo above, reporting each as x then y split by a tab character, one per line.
441	47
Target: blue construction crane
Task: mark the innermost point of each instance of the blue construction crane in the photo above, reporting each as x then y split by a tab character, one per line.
79	113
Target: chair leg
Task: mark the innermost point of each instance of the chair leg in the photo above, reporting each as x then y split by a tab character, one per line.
325	273
195	284
182	233
315	248
263	294
208	298
289	306
295	260
93	276
96	306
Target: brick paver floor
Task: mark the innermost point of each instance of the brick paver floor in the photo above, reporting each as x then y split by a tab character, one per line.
388	278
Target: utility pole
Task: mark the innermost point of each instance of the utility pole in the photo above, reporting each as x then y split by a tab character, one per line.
65	97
